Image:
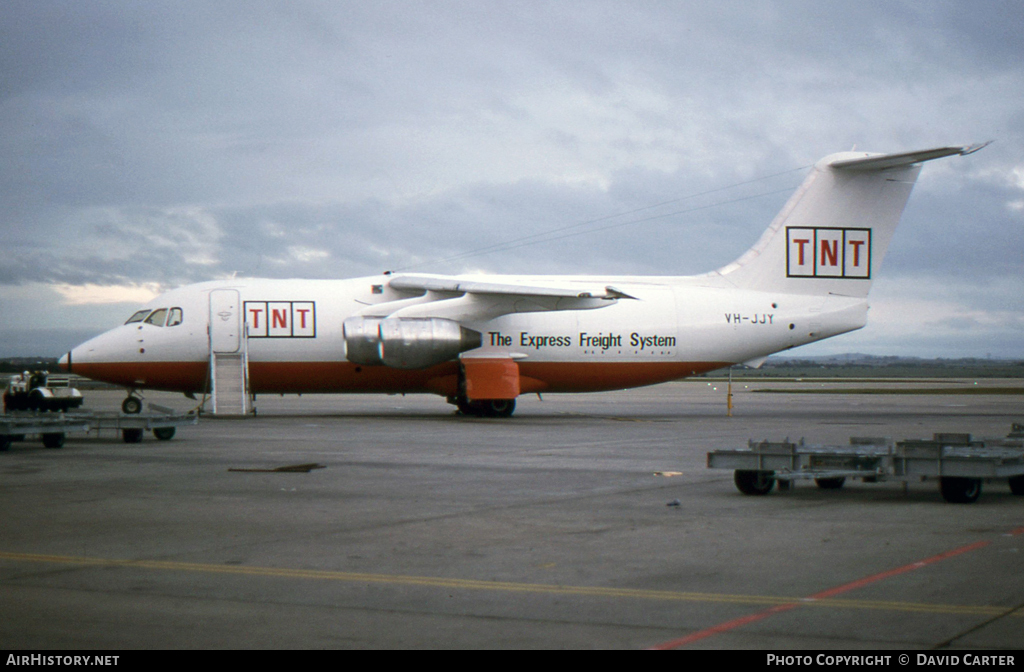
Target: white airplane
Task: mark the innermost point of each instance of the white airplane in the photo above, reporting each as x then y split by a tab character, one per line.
483	340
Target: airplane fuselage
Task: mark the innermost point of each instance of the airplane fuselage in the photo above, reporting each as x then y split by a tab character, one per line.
672	328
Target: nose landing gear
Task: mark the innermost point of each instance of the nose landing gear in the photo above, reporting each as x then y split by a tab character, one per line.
132	404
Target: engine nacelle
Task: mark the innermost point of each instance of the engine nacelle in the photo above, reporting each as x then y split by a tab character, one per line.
362	340
406	343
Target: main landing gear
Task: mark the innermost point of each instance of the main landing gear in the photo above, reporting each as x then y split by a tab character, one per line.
485	408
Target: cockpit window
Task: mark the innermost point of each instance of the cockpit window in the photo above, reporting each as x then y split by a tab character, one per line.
157	317
175	317
138	317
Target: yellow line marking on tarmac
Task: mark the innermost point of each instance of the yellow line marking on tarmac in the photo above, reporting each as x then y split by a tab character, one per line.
472	584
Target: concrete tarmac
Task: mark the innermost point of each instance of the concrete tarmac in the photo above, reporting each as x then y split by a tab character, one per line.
585	521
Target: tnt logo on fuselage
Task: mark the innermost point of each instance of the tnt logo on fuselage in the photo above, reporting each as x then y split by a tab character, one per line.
281	319
817	252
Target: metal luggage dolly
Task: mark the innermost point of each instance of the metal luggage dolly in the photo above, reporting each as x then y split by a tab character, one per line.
54	427
959	462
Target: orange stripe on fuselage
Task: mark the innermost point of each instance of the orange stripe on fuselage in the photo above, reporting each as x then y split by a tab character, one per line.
172	376
339	377
603	376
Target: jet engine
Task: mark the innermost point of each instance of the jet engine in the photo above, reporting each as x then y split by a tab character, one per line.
406	343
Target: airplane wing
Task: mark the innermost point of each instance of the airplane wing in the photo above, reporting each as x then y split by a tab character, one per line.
465	300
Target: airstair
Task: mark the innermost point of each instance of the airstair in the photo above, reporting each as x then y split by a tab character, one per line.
229	382
229	355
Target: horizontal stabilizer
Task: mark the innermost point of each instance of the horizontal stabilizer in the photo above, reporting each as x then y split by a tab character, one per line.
884	161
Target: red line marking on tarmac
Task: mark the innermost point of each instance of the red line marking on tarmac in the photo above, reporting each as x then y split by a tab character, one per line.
831	592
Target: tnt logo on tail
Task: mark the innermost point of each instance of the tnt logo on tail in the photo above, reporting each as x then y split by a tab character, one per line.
821	252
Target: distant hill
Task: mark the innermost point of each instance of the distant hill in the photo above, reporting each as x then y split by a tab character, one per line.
857	365
19	364
860	359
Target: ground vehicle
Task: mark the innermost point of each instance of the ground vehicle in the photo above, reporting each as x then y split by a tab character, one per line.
40	391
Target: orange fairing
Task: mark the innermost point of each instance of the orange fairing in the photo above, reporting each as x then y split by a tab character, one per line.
491	378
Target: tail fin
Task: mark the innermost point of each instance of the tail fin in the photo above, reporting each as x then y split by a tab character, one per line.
831	236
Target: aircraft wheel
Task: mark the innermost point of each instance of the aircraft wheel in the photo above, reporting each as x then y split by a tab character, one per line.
131	405
1017	485
500	408
487	408
830	483
164	433
960	490
754	482
55	440
131	435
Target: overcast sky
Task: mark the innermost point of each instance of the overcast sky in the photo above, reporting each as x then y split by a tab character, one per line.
145	145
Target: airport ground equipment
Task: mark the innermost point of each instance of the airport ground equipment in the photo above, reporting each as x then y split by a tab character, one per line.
53	428
959	462
41	391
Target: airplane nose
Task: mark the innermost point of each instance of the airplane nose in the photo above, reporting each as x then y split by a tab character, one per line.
65	363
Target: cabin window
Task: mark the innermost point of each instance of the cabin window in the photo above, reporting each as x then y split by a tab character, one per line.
175	317
157	317
138	317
